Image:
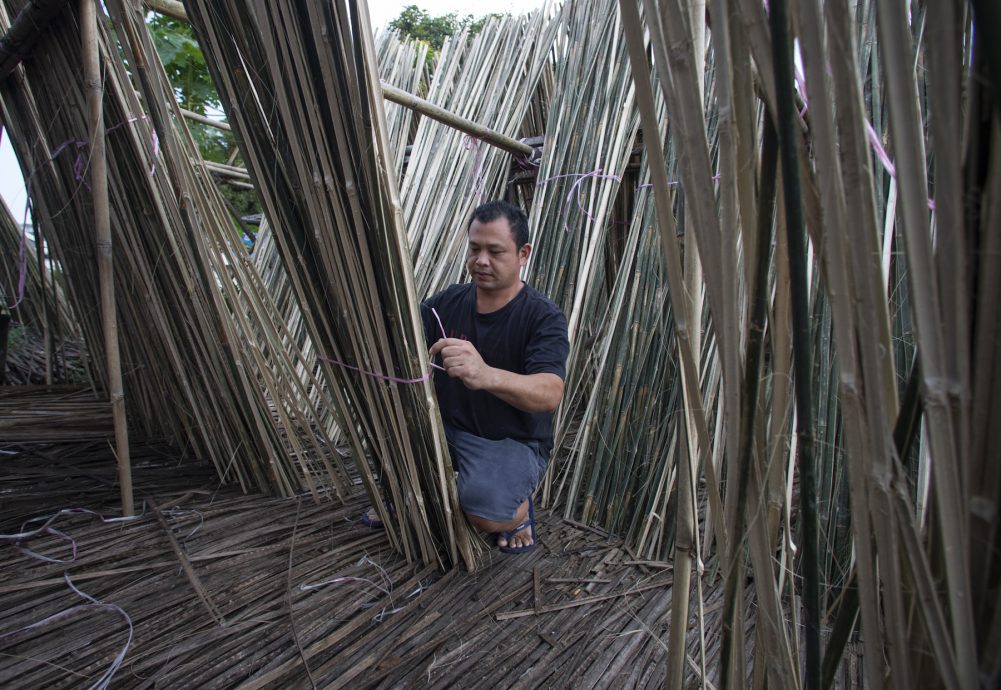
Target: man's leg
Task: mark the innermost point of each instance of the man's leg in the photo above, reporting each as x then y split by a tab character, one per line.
496	480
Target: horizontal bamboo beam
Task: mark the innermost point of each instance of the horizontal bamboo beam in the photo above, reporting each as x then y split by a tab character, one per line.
225	170
198	117
391	93
28	26
168	8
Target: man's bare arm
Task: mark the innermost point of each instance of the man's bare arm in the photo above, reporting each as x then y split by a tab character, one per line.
528	392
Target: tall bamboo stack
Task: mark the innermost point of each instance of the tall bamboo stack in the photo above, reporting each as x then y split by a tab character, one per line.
19	255
321	162
404	64
490	79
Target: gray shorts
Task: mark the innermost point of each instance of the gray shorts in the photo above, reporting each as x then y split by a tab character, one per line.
495	477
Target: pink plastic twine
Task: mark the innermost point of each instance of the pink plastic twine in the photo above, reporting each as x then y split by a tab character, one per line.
871	135
94	604
46	528
597	174
79	165
387	377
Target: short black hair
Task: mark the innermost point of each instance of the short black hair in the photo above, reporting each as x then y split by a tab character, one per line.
516	218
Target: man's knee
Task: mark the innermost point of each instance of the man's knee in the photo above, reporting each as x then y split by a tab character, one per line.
482	499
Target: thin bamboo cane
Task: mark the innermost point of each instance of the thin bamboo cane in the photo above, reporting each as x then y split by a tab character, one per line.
102	225
684	537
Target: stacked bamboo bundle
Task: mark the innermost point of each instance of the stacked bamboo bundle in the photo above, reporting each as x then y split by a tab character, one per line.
490	79
35	299
401	64
191	315
17	257
590	133
310	123
890	492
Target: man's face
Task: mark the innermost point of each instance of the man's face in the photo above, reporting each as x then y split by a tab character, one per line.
492	259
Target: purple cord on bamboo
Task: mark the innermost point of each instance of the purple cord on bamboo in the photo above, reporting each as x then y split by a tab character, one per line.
387	377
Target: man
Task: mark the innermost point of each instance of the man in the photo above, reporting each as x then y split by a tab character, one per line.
504	355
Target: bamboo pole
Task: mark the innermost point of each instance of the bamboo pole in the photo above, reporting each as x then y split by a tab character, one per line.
689	380
407	100
24	32
102	224
786	125
513	146
168	8
197	117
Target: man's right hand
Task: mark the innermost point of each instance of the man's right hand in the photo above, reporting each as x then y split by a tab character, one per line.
461	360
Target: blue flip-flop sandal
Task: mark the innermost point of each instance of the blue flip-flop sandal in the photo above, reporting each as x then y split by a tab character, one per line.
374	522
530	522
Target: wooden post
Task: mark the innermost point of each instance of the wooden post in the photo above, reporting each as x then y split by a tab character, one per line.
102	222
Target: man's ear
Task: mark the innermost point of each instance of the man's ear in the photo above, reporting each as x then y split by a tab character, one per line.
523	253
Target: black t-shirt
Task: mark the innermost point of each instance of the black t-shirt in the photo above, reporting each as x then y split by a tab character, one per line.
528	335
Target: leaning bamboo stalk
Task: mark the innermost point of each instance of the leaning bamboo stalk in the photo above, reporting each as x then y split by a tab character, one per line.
850	271
693	404
208	121
940	388
671	44
471	128
786	125
102	223
168	8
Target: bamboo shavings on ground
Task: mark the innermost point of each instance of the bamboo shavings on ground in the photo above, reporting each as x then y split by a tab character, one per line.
488	79
304	603
310	124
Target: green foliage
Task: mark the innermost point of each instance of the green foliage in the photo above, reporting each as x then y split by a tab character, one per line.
185	66
184	63
417	24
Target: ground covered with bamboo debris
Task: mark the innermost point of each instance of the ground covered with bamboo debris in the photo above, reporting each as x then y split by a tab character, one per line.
213	588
